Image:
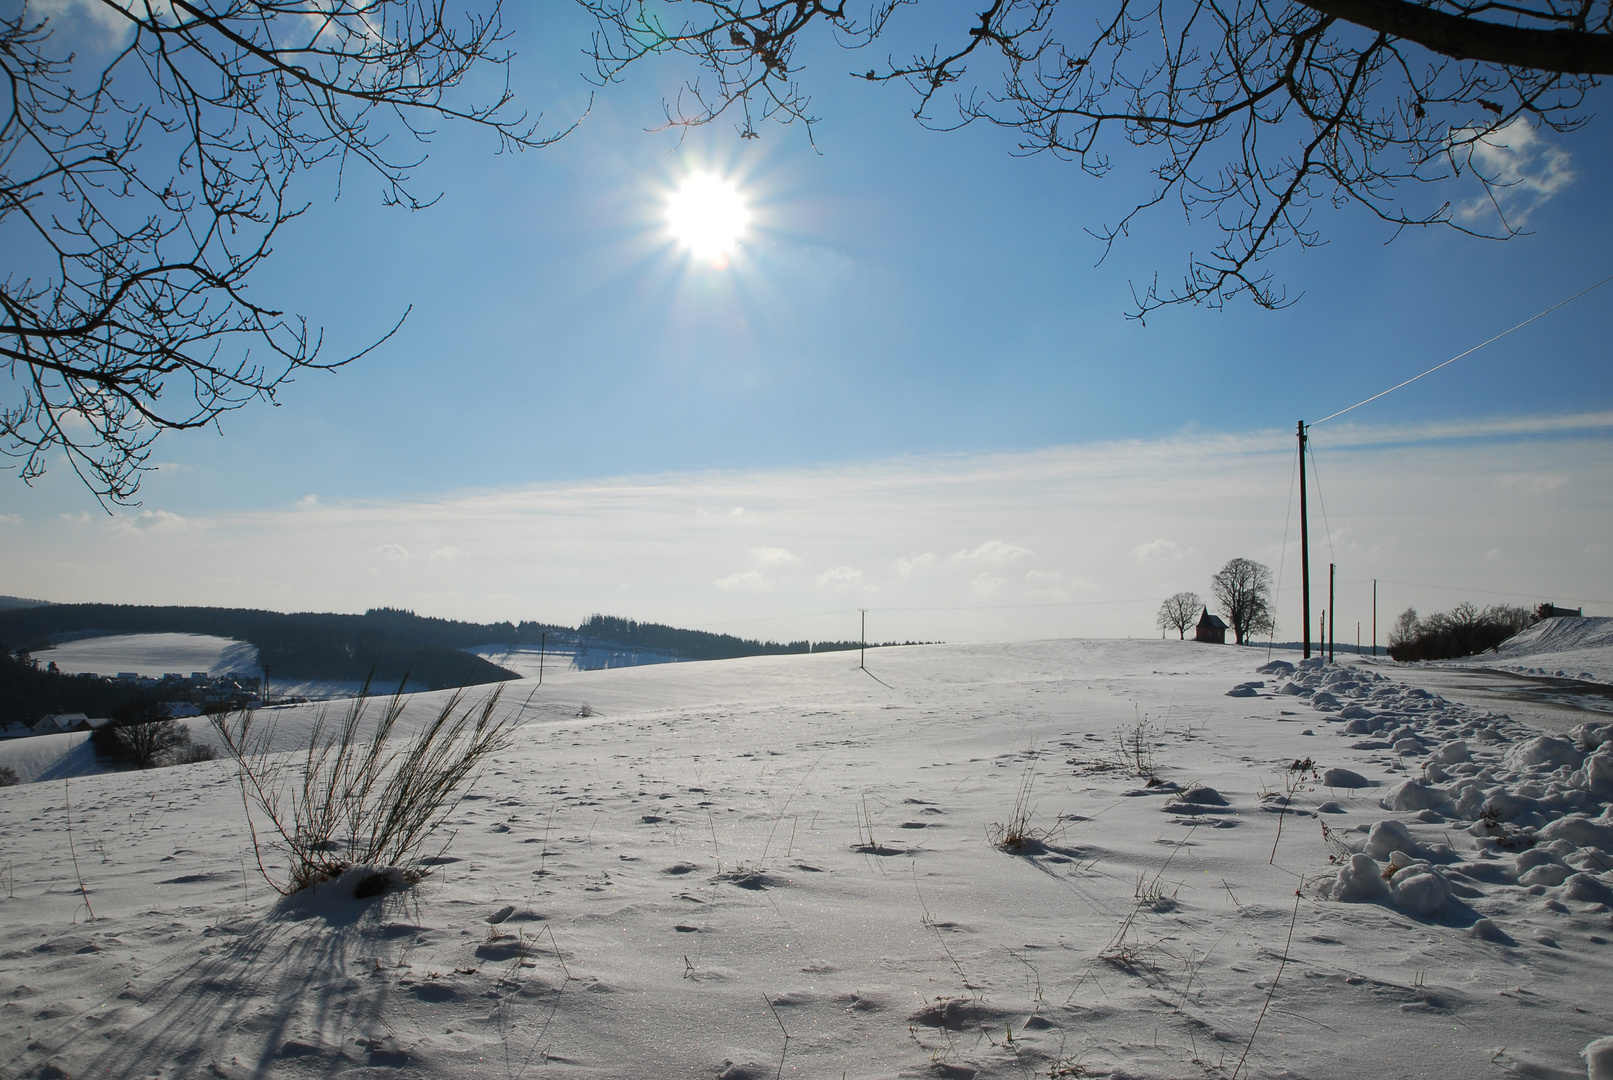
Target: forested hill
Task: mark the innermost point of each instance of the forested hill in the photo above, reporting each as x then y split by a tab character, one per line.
385	645
692	644
391	641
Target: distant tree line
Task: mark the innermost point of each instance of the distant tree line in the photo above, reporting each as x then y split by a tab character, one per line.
384	645
1465	630
697	644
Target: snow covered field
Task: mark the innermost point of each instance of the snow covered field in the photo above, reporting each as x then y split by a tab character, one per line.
153	655
782	866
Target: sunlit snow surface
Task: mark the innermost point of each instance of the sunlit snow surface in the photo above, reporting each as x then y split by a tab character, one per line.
1563	647
725	852
153	655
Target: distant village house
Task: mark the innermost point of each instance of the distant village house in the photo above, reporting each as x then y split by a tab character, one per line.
57	723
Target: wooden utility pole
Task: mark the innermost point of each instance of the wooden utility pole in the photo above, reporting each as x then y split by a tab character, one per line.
1330	615
862	642
1304	546
543	643
1374	616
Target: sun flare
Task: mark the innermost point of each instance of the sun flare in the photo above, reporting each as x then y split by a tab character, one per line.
708	216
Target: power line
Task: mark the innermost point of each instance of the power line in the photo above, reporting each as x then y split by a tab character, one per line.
1481	592
1474	349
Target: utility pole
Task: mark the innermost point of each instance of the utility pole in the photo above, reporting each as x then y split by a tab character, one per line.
1374	616
862	642
1330	616
1304	546
543	642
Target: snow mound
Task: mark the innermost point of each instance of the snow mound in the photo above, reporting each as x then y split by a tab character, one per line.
1599	1059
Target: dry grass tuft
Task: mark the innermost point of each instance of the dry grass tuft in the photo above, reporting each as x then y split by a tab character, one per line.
358	800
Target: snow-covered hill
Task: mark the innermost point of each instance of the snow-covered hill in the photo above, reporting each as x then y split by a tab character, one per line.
1569	648
783	866
153	655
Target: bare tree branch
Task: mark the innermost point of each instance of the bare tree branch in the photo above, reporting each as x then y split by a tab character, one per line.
1253	113
142	184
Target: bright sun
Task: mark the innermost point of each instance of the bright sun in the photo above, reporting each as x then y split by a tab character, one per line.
708	217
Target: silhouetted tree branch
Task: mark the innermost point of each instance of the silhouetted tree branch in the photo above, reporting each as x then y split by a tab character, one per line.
1253	112
144	174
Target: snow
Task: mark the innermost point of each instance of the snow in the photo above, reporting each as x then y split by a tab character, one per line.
782	866
153	655
1565	648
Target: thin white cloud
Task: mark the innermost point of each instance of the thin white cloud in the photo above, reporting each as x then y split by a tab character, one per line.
1155	550
1405	504
745	581
1521	168
911	564
773	556
1538	484
446	553
986	584
157	523
995	552
840	577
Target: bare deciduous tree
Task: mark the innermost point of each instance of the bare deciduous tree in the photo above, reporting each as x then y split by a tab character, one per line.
1178	612
1243	589
1254	112
1405	628
144	171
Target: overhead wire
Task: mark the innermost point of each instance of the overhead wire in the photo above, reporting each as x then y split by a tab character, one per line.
1469	352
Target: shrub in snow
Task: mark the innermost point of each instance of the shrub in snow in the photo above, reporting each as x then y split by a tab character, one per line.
1416	795
1344	778
9	777
1360	881
1504	805
1599	1059
147	744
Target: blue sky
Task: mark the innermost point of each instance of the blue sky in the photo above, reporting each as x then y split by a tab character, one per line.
905	298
